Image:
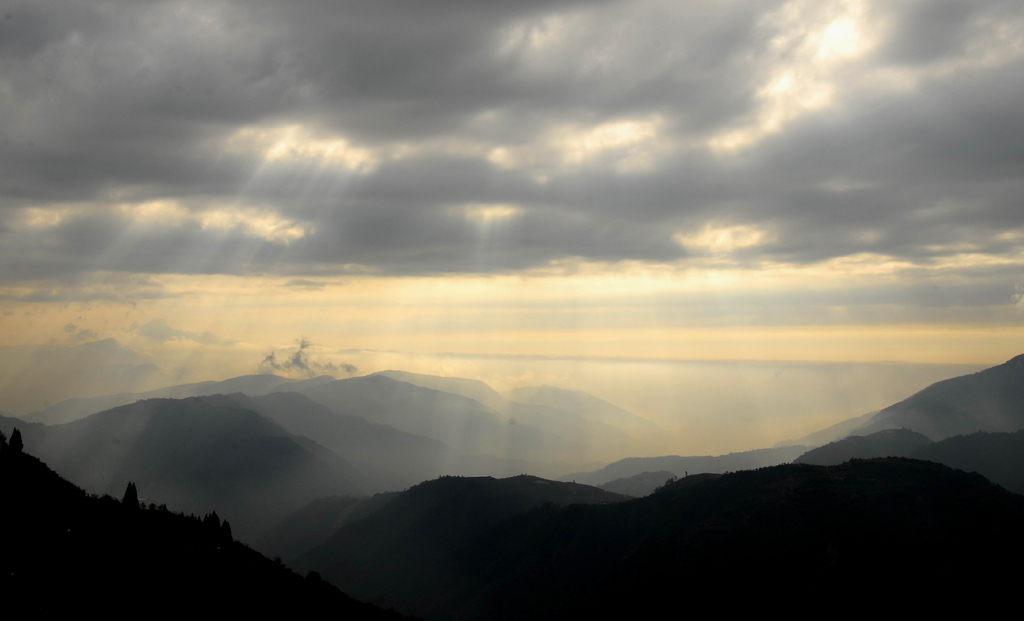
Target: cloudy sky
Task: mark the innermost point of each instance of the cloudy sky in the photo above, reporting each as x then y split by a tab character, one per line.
208	182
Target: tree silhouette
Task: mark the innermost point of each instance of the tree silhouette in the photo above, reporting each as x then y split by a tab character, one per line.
3	439
16	444
131	497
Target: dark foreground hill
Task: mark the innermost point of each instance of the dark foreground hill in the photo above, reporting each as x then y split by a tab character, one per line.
639	485
196	455
66	552
680	465
313	524
403	553
888	533
888	443
999	457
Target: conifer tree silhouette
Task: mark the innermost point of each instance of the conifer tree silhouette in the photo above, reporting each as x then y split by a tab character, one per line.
16	444
3	439
225	533
131	497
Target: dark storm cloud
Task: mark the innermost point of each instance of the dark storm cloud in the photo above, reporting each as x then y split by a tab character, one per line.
451	107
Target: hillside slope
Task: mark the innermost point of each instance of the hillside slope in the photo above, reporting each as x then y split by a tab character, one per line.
253	385
459	422
999	457
601	426
680	465
396	459
65	552
404	550
639	485
196	455
315	523
738	540
888	443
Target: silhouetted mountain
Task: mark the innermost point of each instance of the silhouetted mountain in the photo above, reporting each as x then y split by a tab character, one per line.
550	440
599	437
679	466
461	423
999	457
990	400
895	531
404	550
314	524
639	485
393	459
888	443
253	385
829	434
589	407
474	389
196	455
66	552
595	410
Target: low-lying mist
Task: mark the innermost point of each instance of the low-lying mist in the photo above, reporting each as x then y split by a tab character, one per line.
706	407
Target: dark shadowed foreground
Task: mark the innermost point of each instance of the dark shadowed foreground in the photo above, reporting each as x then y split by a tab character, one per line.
67	552
863	534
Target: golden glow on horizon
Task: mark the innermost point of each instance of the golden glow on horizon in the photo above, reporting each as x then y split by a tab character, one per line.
624	311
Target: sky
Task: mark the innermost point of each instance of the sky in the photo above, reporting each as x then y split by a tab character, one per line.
332	187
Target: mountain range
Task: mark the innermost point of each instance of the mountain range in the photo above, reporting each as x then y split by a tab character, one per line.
313	472
507	549
405	549
997	456
481	430
680	465
639	485
989	400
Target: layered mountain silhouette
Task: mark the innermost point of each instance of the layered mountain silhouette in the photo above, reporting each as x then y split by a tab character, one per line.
569	413
888	443
253	385
396	458
403	553
316	522
679	466
590	407
989	400
459	422
197	455
466	549
639	485
999	457
65	552
475	428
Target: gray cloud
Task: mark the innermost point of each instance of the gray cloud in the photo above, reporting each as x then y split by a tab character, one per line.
157	331
300	361
113	103
77	334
